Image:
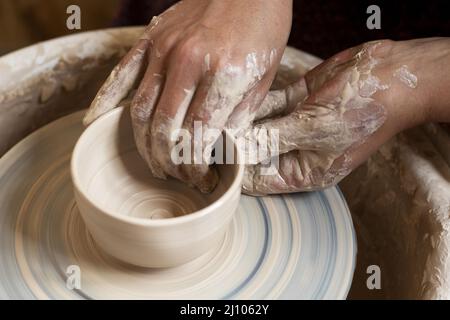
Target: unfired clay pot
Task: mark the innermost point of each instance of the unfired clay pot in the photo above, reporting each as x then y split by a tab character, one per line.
143	220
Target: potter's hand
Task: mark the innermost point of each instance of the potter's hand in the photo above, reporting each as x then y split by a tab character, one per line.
343	110
202	60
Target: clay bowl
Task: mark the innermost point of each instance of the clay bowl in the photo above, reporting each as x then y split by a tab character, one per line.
143	220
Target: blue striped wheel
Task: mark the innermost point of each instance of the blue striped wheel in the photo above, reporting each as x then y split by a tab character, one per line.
299	246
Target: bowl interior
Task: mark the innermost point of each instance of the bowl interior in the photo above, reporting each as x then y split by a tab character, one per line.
112	175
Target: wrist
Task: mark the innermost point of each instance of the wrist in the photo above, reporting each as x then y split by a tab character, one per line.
429	61
403	102
417	74
437	81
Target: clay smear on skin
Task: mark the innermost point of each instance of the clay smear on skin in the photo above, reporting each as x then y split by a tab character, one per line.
406	77
228	88
111	93
356	94
360	88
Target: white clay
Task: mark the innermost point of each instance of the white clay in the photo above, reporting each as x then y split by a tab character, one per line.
124	206
406	77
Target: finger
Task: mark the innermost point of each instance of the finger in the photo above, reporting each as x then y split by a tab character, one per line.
203	175
281	135
142	107
120	82
244	113
314	124
210	109
178	92
296	171
125	76
331	67
314	127
198	171
306	170
282	101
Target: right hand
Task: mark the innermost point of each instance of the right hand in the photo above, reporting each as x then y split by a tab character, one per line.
205	61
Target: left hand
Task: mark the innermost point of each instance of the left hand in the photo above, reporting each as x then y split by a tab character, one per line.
343	110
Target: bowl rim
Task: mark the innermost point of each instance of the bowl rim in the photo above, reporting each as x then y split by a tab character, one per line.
74	169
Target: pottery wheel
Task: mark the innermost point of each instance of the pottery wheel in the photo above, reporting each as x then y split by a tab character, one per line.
299	246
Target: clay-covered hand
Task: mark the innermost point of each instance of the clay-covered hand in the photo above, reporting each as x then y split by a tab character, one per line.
339	113
209	62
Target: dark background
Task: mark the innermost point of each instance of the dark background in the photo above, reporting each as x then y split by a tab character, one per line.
321	27
324	27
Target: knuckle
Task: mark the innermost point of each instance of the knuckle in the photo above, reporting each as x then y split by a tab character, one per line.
137	115
165	42
383	42
188	50
380	48
224	61
139	108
